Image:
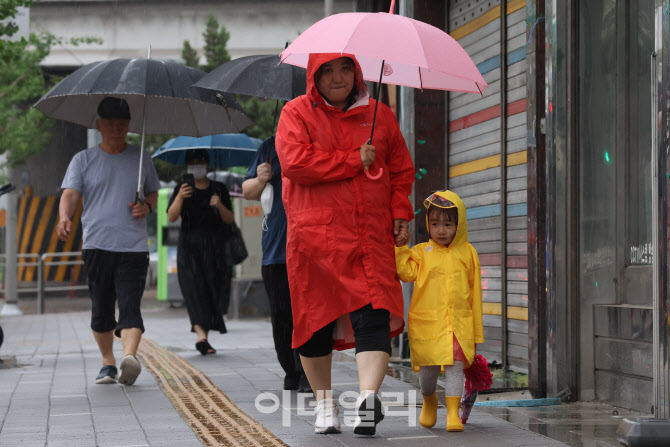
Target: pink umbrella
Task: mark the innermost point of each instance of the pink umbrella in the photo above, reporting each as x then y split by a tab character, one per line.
391	49
416	54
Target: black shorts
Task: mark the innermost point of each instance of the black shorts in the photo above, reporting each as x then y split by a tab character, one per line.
372	332
116	276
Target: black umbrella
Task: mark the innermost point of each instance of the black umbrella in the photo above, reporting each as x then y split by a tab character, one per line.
260	76
160	94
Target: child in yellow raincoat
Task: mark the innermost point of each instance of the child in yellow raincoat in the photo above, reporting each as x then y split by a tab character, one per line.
445	314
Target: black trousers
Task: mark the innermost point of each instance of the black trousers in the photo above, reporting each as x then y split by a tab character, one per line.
115	276
372	332
204	280
275	279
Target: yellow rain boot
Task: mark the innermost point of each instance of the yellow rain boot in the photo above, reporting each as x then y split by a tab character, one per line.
453	418
428	416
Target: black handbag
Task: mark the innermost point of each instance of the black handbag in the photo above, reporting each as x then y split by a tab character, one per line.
235	249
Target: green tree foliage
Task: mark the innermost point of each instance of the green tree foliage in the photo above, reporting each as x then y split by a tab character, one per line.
8	10
262	113
216	40
23	130
190	55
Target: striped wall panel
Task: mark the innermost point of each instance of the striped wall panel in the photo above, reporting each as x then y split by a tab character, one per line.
36	234
517	278
474	156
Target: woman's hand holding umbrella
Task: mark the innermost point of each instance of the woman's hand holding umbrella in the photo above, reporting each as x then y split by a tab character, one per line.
367	155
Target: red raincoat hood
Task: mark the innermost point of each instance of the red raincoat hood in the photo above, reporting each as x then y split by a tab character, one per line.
316	60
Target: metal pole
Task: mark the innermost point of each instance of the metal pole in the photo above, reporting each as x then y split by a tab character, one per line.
40	285
447	118
327	8
503	181
660	312
11	295
537	302
406	121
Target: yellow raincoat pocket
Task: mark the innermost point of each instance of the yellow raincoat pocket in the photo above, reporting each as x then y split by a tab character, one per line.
423	325
314	233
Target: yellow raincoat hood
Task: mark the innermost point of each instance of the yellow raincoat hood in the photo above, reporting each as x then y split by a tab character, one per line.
447	298
461	237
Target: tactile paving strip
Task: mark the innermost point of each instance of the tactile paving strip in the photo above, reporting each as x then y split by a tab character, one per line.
215	419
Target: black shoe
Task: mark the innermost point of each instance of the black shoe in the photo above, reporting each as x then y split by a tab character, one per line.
107	375
204	347
304	386
368	418
291	382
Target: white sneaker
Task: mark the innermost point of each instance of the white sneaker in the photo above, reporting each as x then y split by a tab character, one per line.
129	370
369	413
327	417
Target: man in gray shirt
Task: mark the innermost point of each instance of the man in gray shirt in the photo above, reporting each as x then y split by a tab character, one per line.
115	249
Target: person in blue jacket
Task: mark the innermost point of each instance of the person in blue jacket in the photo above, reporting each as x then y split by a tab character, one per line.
263	182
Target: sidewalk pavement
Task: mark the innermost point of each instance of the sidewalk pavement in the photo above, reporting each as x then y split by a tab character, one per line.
48	396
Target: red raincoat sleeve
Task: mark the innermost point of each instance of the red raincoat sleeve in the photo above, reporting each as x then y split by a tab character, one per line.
301	163
401	171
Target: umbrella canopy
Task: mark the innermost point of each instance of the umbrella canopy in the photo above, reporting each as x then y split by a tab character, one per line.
390	49
225	150
260	75
415	53
158	92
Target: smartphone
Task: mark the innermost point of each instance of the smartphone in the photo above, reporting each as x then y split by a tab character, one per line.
189	180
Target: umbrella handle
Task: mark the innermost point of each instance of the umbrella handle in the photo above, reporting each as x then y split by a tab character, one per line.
377	176
367	171
137	197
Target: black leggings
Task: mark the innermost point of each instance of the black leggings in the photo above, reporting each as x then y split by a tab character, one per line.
372	332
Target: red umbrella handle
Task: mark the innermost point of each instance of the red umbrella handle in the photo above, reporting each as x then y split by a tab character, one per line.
376	176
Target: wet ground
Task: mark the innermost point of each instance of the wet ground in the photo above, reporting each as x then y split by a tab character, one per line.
576	424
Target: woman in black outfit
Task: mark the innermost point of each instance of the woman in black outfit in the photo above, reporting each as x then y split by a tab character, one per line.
204	276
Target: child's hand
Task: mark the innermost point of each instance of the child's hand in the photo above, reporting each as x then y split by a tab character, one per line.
402	238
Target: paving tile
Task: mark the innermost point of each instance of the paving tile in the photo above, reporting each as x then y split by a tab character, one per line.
66	361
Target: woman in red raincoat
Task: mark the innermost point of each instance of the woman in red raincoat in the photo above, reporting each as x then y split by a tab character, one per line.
341	226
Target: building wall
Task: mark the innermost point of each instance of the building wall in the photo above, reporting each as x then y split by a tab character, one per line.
44	172
128	28
475	153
